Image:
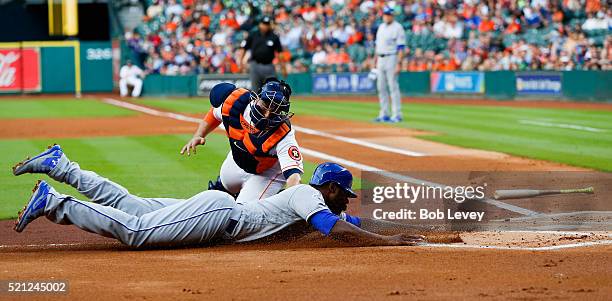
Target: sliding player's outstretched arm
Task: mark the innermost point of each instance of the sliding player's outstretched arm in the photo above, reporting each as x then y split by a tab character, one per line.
389	228
354	235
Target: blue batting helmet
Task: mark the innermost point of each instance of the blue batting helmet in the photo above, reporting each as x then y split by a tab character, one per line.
332	172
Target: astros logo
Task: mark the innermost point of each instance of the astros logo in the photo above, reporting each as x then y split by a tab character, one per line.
294	153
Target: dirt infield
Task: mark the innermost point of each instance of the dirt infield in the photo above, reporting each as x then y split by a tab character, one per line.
487	265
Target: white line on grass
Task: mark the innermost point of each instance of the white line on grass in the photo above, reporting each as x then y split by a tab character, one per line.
324	156
561	125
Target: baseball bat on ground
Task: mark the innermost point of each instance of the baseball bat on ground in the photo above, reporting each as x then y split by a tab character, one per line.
527	193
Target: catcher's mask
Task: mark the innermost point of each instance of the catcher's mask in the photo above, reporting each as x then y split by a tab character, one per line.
270	105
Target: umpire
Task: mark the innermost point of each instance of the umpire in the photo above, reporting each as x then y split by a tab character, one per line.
264	45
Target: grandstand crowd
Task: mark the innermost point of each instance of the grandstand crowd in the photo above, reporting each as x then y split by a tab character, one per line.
204	36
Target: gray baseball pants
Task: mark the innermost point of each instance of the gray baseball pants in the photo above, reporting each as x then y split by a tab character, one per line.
258	74
387	78
133	220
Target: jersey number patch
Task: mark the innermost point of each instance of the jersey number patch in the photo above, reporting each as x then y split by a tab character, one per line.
294	153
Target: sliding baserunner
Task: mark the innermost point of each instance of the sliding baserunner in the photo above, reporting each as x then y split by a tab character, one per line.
206	217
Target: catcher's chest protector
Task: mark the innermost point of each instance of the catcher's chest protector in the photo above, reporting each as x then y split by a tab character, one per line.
250	150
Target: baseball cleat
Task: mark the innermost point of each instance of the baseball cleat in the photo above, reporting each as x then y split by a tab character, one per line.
35	207
395	119
43	163
382	119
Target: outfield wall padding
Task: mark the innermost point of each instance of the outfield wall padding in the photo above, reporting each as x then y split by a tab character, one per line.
57	69
160	85
301	83
587	85
414	83
96	66
501	85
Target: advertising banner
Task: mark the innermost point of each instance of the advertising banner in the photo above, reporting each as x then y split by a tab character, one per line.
538	84
19	69
207	81
342	83
457	82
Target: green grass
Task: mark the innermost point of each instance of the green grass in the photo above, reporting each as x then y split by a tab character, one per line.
495	128
58	108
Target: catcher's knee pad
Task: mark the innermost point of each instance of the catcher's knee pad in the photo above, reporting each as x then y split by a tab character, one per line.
217	185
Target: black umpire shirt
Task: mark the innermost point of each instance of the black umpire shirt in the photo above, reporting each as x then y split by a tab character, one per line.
262	46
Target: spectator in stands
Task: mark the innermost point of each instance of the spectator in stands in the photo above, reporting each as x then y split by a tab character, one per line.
154	9
130	75
154	62
595	21
320	56
453	29
204	67
173	9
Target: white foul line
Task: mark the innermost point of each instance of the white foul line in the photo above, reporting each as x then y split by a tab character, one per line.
327	157
546	248
561	125
358	142
135	107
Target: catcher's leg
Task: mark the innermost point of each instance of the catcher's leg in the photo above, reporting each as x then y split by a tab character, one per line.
232	176
258	187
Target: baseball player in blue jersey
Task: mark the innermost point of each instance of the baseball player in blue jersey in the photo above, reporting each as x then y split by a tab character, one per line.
390	43
264	153
208	216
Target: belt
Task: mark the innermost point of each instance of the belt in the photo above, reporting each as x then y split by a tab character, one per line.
231	226
256	62
234	217
388	54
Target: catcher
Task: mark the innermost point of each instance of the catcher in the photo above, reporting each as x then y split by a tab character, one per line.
264	153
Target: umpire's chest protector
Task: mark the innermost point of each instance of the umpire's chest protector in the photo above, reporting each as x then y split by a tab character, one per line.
250	150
